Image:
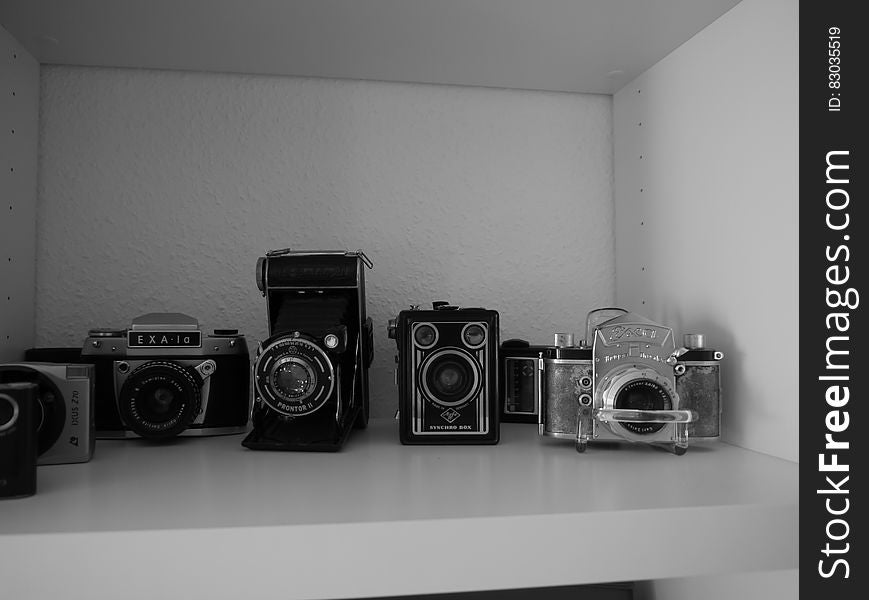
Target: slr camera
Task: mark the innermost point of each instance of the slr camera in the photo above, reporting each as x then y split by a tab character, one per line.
447	374
63	408
628	382
17	439
311	375
164	377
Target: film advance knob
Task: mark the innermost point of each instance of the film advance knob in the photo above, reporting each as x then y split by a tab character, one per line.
390	328
694	341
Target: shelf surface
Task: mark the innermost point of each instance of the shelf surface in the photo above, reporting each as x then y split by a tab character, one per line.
379	518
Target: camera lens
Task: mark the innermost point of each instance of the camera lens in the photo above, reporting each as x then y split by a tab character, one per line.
8	412
450	377
425	336
293	375
293	379
50	407
643	394
160	399
474	335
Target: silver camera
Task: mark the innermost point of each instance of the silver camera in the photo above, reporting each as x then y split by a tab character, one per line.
628	382
64	409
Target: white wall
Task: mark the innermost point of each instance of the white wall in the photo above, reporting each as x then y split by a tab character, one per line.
706	168
19	101
158	191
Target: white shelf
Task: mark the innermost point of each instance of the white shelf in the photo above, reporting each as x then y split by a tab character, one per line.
379	518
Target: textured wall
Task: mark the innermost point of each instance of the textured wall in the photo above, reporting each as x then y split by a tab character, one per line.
158	191
707	209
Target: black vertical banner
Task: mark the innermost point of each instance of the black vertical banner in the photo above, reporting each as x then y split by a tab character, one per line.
833	370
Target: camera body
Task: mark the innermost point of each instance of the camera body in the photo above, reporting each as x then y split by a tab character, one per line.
447	375
164	377
17	439
520	369
630	383
311	375
63	408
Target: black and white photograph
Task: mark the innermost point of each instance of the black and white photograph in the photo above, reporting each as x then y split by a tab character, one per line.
436	299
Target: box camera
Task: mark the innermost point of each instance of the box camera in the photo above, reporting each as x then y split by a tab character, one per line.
447	375
164	377
311	375
63	408
630	383
17	440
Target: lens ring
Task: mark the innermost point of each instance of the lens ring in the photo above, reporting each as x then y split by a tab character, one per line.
612	384
450	377
12	417
425	335
293	360
474	335
293	378
643	394
49	401
160	399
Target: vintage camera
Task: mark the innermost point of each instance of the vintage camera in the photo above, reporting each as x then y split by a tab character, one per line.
520	368
311	375
630	383
17	439
64	408
164	377
447	375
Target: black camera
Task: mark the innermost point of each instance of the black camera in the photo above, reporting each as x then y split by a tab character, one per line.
17	439
164	377
64	405
311	375
447	375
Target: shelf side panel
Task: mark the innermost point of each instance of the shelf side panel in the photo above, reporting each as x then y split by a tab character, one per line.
706	167
19	133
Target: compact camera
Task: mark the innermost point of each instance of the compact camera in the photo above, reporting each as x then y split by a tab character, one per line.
17	439
63	408
311	375
628	382
164	377
447	375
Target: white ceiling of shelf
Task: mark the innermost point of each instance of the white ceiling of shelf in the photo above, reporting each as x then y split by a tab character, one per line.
591	46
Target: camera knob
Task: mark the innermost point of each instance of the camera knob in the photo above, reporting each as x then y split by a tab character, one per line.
563	340
391	326
438	304
694	341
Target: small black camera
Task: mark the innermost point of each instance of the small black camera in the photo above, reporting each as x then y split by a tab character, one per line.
447	375
311	374
163	377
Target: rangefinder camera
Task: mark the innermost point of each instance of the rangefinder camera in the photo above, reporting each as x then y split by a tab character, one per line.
63	408
447	374
311	374
629	382
164	377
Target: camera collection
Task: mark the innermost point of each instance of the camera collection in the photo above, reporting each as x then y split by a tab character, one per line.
306	388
